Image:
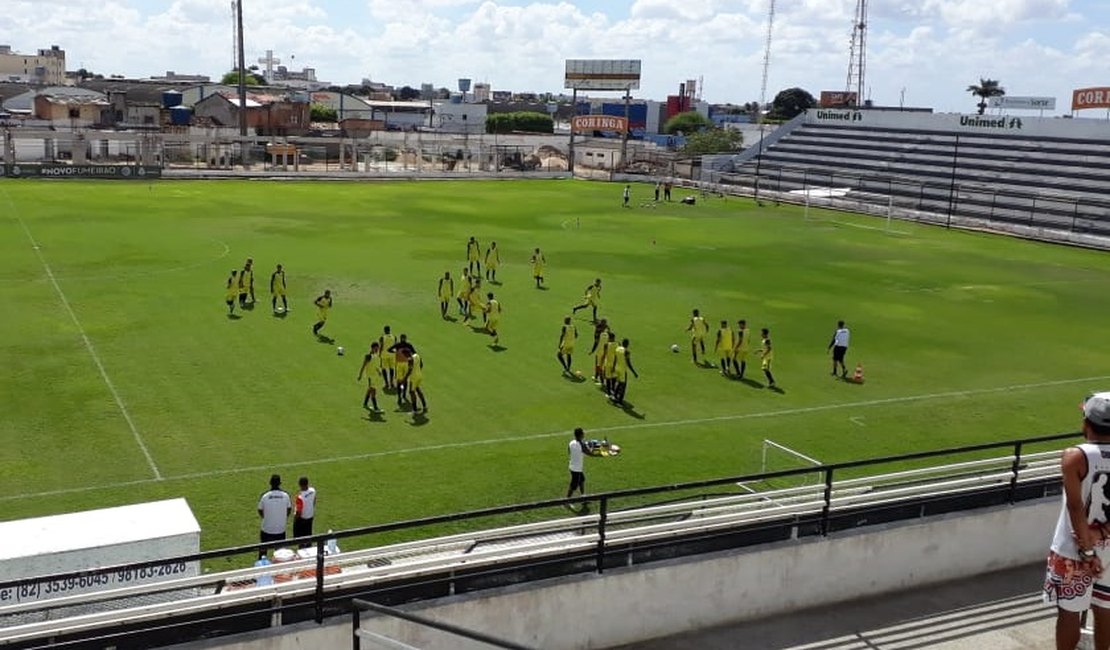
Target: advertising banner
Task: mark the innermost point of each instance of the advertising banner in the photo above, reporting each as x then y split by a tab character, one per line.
587	123
125	172
1049	127
602	74
1027	103
837	98
1082	98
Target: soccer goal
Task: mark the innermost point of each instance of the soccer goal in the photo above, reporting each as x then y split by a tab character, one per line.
777	457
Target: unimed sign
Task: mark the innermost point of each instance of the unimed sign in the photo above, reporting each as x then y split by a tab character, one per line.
1090	98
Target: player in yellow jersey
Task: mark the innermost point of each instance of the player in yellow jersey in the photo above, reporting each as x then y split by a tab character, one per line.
414	379
592	298
768	355
400	351
323	306
493	261
724	347
231	291
246	284
599	353
463	294
475	305
608	373
493	317
474	257
568	336
622	365
697	328
602	333
741	348
389	360
372	368
445	291
277	289
538	264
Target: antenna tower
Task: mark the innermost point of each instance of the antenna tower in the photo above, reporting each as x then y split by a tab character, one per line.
767	55
857	53
234	35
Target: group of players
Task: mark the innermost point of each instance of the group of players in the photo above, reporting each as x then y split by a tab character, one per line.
240	283
732	347
393	364
612	360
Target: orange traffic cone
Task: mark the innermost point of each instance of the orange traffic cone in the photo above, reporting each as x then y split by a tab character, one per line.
857	376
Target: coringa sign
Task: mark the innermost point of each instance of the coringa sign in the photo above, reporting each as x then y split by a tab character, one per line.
587	123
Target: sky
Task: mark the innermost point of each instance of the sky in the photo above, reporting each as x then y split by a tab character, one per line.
922	52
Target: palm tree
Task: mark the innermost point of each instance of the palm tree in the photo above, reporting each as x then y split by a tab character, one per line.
986	89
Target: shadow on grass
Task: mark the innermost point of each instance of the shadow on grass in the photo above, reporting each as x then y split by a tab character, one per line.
374	416
281	314
497	347
543	287
777	389
247	307
419	419
320	338
577	379
751	383
233	316
450	319
630	409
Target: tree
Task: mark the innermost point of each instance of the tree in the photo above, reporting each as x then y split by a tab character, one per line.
522	121
986	89
688	122
714	141
407	94
322	113
790	103
232	79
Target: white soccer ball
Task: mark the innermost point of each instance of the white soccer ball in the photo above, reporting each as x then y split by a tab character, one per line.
674	347
339	350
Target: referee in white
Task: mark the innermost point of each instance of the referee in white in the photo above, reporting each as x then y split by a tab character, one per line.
273	509
839	347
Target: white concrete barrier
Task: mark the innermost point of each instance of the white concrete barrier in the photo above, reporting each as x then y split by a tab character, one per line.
649	601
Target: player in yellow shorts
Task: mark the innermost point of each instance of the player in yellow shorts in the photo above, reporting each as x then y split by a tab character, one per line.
414	379
493	317
474	257
493	261
622	365
463	294
389	360
445	291
767	354
568	336
277	289
231	291
400	351
697	328
741	349
323	306
372	368
474	300
592	298
538	263
724	347
608	370
246	284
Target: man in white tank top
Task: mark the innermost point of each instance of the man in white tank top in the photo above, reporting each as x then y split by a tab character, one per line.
1080	547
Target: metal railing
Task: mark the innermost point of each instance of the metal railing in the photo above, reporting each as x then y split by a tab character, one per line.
626	527
359	606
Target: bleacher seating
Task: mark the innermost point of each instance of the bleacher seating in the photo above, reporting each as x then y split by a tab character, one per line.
1059	183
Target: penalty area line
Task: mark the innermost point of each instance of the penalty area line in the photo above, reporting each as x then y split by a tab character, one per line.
85	338
539	436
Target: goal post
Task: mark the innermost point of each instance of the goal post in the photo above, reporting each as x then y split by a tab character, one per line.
777	457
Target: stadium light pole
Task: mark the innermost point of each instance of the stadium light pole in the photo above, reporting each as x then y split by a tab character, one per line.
242	83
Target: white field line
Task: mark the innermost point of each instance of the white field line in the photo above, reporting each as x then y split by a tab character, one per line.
85	337
538	436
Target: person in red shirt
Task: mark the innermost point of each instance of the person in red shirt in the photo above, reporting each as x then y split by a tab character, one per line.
304	510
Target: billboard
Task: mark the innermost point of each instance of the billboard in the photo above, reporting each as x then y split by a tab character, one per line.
48	170
602	74
1082	98
1027	103
836	98
588	123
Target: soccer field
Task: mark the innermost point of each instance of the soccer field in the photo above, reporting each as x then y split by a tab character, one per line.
127	382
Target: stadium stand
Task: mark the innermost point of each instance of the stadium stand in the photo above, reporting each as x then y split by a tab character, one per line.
1000	173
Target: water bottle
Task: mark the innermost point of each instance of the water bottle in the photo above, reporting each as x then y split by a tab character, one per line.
332	544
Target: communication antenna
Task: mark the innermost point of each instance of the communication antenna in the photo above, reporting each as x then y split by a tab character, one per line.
767	54
857	53
234	35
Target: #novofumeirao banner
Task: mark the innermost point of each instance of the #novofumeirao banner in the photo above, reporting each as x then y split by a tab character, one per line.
125	172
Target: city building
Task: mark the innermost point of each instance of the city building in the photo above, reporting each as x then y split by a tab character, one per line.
481	92
173	77
305	79
46	67
266	114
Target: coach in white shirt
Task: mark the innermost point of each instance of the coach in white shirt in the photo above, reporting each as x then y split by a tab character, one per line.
273	508
839	347
577	452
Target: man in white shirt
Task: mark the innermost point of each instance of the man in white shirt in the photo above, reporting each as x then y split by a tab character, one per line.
839	347
305	509
577	452
273	508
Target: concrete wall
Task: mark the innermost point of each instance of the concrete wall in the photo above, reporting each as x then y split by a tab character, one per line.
1012	125
635	604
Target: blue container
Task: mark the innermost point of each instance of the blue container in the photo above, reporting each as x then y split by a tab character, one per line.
171	98
181	115
637	113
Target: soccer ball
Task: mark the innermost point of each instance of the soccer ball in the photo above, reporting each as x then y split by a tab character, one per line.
674	347
339	350
578	373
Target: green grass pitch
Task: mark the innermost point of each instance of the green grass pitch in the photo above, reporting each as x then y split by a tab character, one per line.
964	337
